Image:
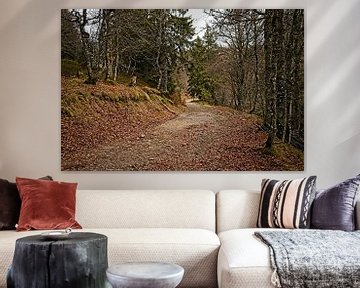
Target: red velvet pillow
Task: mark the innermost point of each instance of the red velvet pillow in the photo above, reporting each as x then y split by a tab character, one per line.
10	204
46	204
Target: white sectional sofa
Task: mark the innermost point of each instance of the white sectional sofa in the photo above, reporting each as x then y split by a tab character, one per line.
145	225
177	226
243	260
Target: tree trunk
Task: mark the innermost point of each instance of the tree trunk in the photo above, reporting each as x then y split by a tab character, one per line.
85	43
290	85
290	122
160	55
116	61
270	104
278	69
253	109
298	78
280	95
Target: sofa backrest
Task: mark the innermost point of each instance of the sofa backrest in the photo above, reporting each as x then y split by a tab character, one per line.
239	209
146	209
236	209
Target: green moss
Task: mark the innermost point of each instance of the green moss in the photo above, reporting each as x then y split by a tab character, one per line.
111	82
272	151
70	68
283	150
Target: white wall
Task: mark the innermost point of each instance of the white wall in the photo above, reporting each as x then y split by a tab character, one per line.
30	95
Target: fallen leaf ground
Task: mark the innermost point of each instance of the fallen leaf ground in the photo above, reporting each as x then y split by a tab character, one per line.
103	134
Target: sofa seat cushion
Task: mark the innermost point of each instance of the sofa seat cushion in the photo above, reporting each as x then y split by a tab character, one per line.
244	261
196	250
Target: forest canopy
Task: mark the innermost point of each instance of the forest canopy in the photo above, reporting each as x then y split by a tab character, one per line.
250	60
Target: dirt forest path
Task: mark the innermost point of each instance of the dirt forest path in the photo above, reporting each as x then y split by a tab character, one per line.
203	138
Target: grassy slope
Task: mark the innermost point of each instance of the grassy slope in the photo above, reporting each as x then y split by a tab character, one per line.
99	114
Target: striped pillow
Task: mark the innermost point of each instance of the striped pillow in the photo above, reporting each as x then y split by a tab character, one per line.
286	204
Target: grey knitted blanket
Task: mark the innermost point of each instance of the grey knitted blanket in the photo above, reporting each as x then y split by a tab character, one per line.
313	258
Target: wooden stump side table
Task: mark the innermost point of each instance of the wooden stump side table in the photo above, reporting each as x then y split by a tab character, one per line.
78	261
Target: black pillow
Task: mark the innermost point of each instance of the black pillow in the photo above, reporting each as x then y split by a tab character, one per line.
10	204
334	208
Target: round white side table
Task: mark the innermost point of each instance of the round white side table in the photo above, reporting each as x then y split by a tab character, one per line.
145	275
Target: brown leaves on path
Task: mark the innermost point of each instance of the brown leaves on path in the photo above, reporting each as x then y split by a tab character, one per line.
147	137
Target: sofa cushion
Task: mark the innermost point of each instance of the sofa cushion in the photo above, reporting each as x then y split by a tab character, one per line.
10	204
46	204
286	204
194	249
146	209
334	208
244	261
236	209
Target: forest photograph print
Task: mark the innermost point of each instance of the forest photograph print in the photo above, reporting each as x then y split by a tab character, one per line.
182	89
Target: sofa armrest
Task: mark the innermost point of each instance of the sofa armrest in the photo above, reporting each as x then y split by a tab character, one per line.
357	215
